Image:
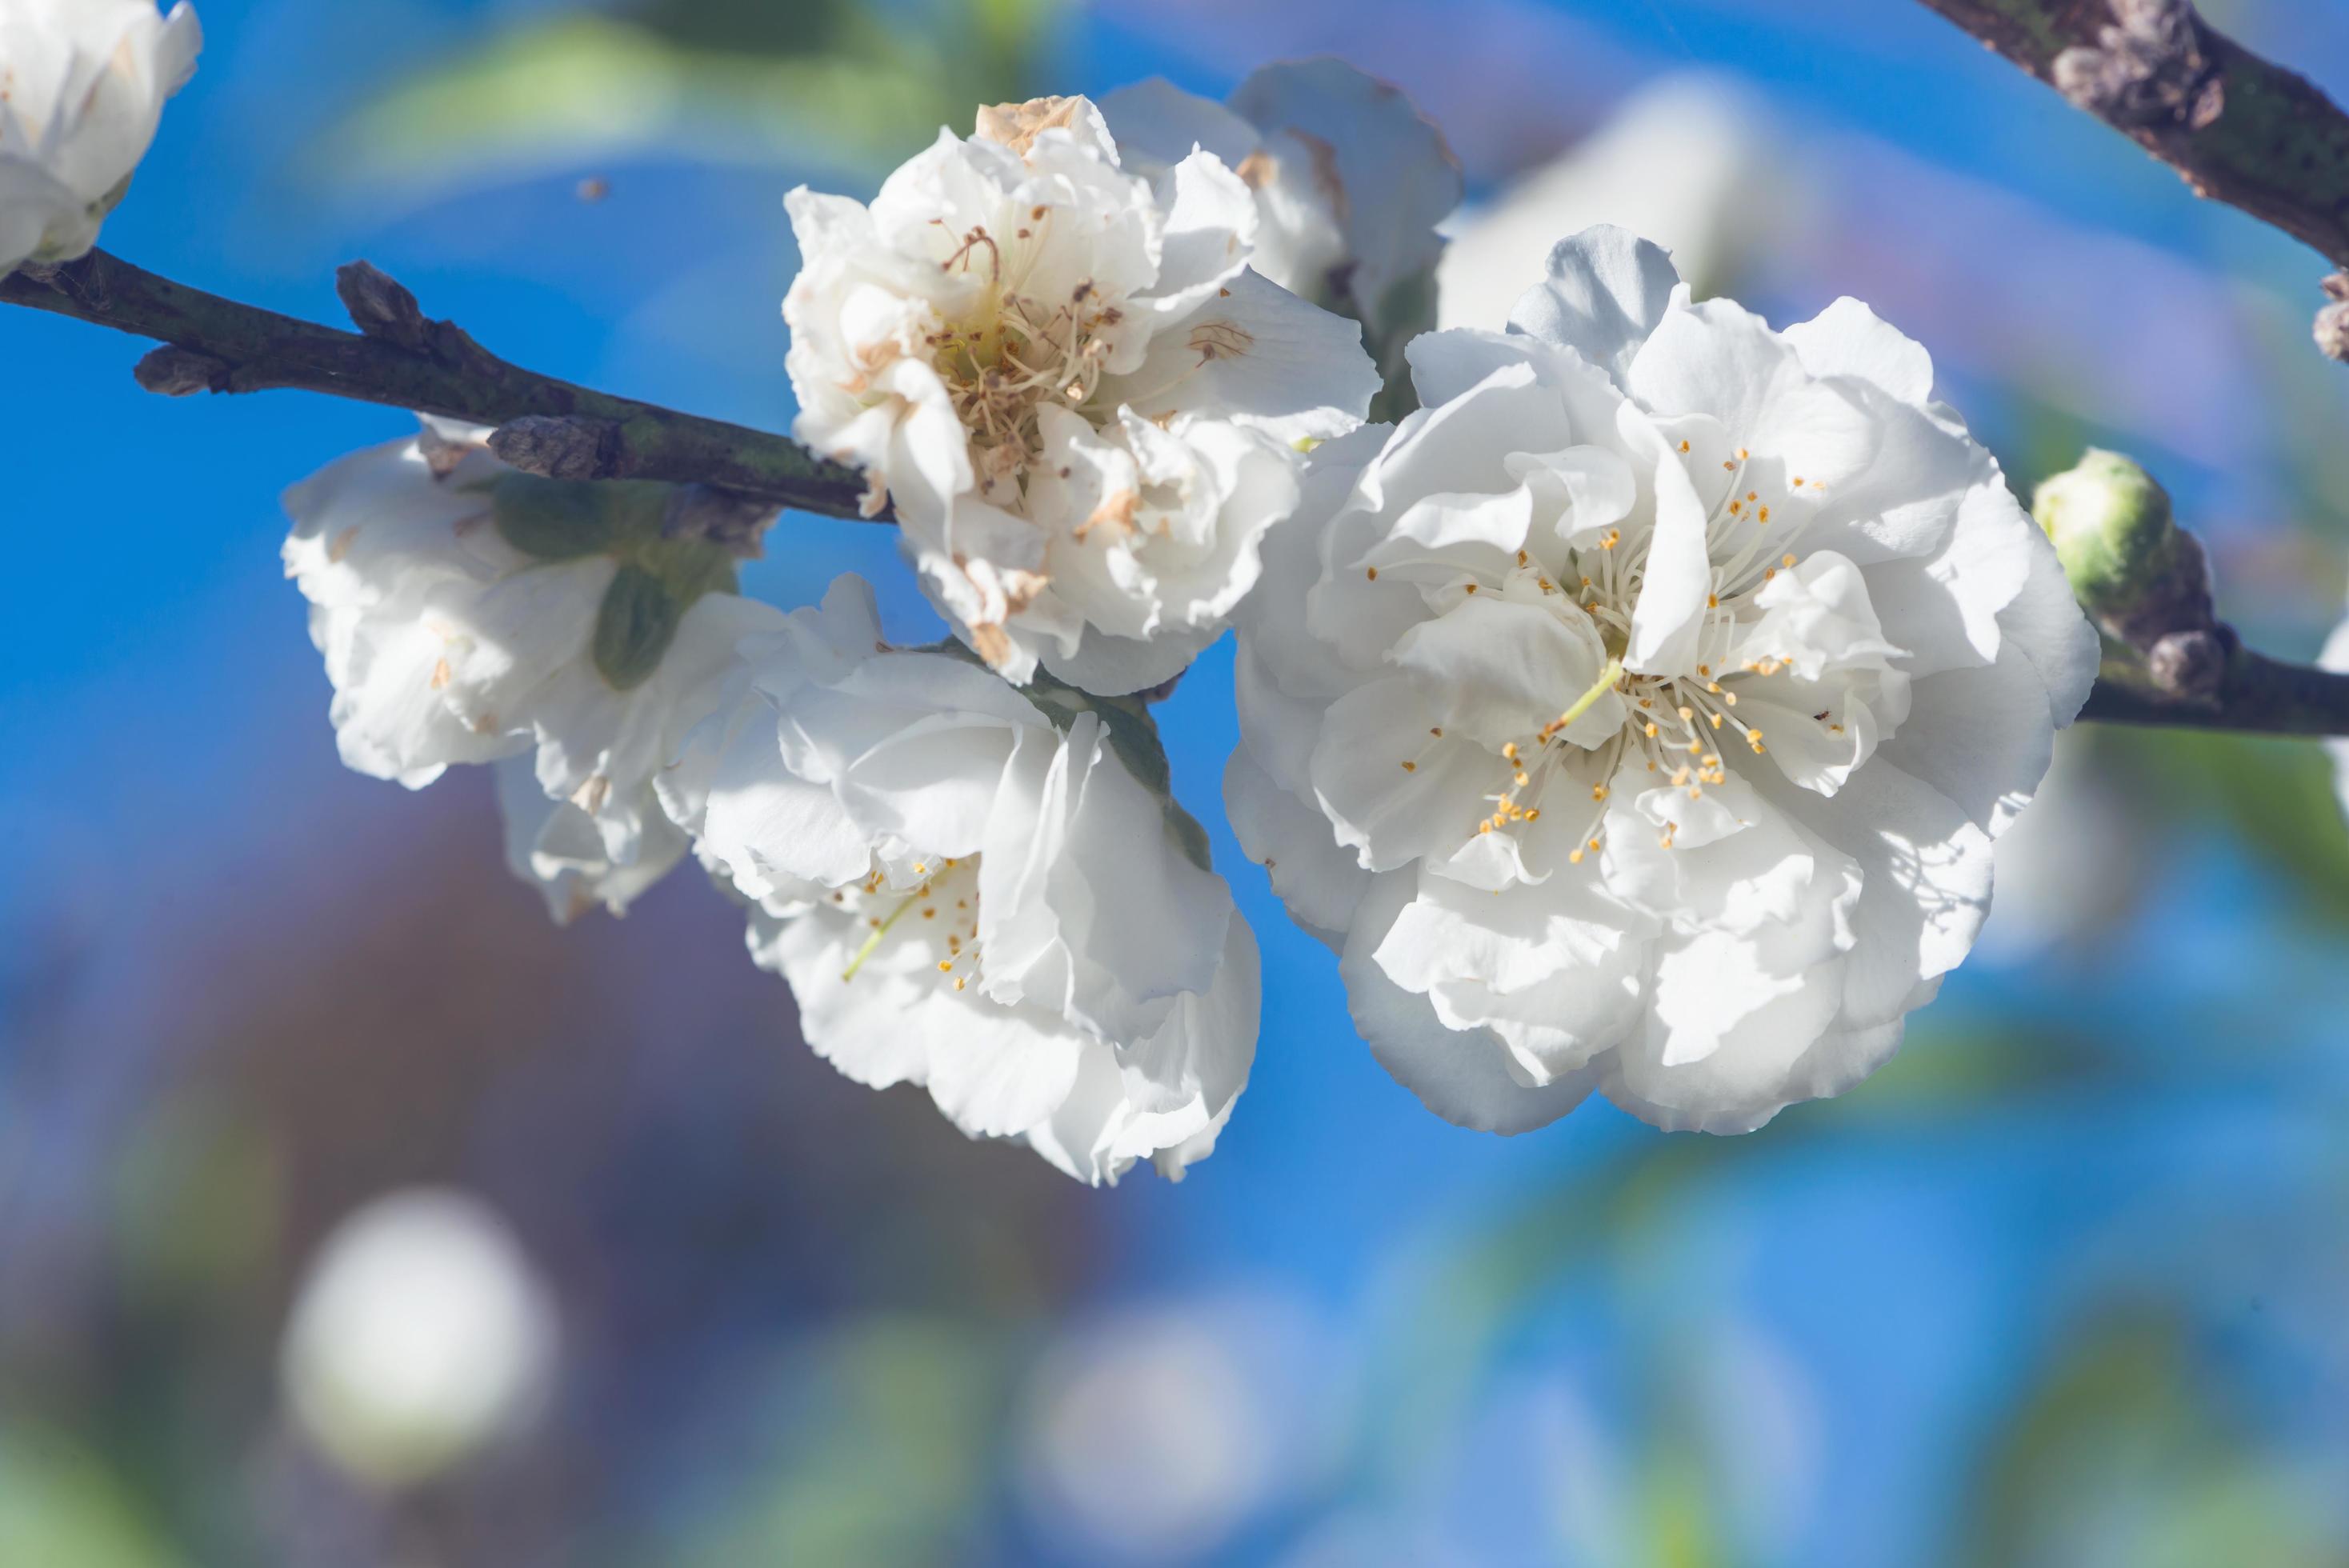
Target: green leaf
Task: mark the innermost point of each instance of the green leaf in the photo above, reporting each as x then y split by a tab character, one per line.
554	520
809	82
633	628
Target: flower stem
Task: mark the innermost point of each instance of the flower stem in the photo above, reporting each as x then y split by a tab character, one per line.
879	931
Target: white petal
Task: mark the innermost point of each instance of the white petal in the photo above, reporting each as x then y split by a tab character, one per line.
1157	125
1257	356
1384	169
1463	1076
1849	339
1608	290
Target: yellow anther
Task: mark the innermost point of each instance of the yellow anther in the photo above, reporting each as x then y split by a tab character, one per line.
1411	767
1372	573
1786	560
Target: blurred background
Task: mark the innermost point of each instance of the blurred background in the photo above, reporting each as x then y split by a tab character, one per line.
351	1215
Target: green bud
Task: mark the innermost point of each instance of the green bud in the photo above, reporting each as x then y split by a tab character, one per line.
2113	532
634	626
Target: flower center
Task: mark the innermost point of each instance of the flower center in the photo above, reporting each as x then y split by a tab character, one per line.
1014	352
932	903
1678	726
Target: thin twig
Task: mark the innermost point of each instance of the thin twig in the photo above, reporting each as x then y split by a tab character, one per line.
401	359
2239	129
2259	695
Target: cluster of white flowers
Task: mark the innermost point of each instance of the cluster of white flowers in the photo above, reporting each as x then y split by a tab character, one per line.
82	85
1637	713
1070	384
968	886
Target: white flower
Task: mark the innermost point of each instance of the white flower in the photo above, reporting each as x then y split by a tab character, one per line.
82	85
421	1336
469	613
1640	716
965	893
1077	398
1349	180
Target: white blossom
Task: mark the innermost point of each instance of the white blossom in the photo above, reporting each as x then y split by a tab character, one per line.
421	1335
970	891
1062	375
82	85
1640	713
1351	181
469	614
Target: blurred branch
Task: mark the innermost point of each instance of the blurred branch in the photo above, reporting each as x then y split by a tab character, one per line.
2239	129
2257	695
403	360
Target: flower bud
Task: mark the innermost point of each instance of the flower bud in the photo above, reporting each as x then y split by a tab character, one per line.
2135	569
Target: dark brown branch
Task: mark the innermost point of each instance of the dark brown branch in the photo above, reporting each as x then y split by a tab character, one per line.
2259	695
401	359
2240	129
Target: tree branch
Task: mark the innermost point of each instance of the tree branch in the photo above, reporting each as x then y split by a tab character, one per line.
2239	129
2258	696
401	359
